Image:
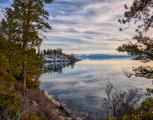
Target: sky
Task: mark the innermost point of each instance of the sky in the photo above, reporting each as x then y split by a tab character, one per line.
85	26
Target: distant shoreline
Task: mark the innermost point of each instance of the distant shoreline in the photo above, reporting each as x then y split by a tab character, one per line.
103	56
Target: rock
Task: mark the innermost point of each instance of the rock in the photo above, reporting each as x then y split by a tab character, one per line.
77	118
51	98
56	102
57	110
69	118
61	118
61	107
65	110
34	103
45	92
73	118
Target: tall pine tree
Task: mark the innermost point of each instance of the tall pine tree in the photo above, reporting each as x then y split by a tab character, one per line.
23	23
32	17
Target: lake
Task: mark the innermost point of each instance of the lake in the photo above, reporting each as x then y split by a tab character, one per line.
82	86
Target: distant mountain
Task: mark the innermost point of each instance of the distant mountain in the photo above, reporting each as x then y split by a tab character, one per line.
102	56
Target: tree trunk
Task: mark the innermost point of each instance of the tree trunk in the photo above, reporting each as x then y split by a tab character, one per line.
24	76
24	54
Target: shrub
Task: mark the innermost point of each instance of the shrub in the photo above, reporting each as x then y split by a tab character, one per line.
119	103
145	112
33	84
147	116
147	104
6	79
10	104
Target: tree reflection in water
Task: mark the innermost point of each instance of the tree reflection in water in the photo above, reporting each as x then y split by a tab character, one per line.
57	67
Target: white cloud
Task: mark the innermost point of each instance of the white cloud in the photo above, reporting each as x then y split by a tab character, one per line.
86	25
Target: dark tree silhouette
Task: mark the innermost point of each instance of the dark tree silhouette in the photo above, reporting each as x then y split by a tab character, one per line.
140	12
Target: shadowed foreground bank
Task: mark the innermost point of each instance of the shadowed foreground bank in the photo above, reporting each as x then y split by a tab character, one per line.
43	106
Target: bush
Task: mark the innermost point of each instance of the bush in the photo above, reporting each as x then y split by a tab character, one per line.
6	79
119	103
147	104
10	104
33	84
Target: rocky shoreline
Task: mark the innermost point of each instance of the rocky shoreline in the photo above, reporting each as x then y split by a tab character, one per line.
67	114
39	104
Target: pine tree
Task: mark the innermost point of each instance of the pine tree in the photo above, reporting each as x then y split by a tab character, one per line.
3	53
23	22
8	29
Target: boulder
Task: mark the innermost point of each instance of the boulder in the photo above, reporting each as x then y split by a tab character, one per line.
77	118
34	103
51	98
61	118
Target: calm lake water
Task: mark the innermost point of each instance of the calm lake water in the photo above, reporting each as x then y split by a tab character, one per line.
82	86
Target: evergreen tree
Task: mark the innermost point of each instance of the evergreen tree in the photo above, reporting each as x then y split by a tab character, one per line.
23	22
3	53
8	29
31	16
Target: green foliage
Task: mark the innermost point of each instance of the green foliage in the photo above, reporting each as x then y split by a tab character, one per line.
33	84
147	116
10	104
4	61
147	104
53	52
31	17
20	58
21	26
3	53
6	79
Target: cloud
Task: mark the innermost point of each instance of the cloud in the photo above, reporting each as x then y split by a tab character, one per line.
85	25
93	20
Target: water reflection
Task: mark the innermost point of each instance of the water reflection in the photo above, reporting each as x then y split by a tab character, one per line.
83	87
57	67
